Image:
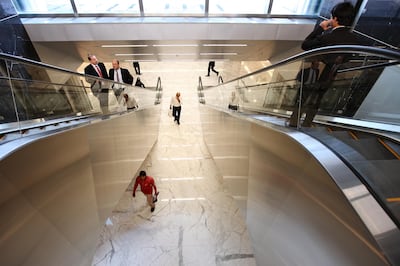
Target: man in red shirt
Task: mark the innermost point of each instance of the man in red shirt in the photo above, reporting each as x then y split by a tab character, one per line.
146	186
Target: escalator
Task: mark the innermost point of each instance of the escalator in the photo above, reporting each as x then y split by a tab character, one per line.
67	154
315	199
374	158
357	118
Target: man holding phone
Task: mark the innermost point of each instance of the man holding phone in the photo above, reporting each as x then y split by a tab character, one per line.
334	31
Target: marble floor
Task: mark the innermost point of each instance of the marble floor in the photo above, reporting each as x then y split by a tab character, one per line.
196	221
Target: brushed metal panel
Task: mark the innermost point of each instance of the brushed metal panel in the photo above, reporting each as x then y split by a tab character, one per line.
56	192
296	212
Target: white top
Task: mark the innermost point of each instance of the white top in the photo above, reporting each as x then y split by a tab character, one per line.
131	103
174	101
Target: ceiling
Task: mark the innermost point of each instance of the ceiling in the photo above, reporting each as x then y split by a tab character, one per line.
170	40
193	50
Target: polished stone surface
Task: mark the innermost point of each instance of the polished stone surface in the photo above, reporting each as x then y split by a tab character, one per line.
196	221
233	191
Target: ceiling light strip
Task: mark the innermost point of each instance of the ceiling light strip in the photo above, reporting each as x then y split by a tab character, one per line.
175	45
175	54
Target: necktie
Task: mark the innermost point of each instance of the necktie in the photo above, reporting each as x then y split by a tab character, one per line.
312	76
99	71
118	79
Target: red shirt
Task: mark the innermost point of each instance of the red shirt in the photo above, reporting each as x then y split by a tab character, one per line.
146	185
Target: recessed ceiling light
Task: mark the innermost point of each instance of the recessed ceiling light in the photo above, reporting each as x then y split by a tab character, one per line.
175	45
123	45
175	54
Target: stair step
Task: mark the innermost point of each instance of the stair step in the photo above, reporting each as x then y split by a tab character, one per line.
383	177
370	148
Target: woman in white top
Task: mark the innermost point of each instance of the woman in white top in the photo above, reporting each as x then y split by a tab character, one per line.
175	105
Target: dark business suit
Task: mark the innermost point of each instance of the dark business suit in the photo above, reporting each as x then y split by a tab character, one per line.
98	87
309	92
89	70
338	36
320	38
306	75
126	76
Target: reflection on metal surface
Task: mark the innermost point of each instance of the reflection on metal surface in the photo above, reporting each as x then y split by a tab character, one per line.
371	213
293	177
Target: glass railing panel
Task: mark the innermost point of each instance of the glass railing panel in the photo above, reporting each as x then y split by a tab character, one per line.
7	108
350	87
270	91
36	95
363	90
47	93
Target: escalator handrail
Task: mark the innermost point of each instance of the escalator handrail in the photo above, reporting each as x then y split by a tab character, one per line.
31	62
36	63
368	50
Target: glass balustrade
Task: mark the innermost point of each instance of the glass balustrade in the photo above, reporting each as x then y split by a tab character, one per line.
356	84
36	94
349	84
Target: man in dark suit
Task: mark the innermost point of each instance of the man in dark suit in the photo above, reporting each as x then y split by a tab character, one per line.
119	74
97	69
308	78
334	31
99	88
